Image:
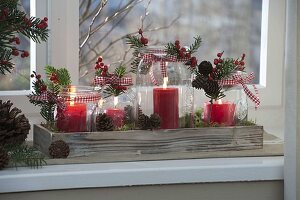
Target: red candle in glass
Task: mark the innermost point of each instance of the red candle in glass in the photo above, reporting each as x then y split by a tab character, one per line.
166	103
72	118
117	116
221	112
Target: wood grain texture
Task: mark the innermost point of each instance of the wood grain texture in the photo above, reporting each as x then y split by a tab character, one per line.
159	142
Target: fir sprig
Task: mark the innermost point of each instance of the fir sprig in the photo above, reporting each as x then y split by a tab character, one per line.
25	155
136	44
195	46
14	22
120	71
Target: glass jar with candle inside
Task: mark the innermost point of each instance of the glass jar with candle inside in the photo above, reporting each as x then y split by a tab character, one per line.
79	103
163	87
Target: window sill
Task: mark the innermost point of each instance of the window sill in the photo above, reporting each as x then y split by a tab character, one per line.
53	177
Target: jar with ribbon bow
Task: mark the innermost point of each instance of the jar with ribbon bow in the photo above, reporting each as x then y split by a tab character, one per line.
163	86
115	109
79	103
226	84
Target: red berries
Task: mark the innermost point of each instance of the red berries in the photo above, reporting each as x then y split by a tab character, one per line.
25	54
43	88
193	62
220	54
38	76
143	40
15	52
43	23
99	59
54	78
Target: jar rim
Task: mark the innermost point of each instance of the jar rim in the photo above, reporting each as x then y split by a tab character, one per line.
79	93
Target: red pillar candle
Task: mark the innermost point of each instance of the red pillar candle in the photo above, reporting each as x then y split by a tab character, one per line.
117	116
220	112
72	118
166	103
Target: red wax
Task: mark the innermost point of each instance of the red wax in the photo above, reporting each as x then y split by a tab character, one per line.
72	118
221	113
117	116
166	103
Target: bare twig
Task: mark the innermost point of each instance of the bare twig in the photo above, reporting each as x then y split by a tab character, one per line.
146	13
87	8
103	3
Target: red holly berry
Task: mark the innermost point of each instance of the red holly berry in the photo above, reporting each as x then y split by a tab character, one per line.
236	62
99	59
220	60
38	76
177	42
23	55
105	68
216	61
183	49
103	73
43	88
15	52
193	61
144	40
45	19
220	54
26	53
97	66
242	63
181	54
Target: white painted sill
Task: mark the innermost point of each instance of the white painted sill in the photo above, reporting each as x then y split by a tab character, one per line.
118	174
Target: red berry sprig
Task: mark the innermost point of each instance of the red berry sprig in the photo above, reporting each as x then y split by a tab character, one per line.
101	68
39	84
143	40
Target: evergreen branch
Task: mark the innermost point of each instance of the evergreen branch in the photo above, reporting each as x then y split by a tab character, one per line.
195	46
171	49
24	154
120	71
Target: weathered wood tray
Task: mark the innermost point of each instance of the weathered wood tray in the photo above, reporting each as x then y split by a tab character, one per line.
140	142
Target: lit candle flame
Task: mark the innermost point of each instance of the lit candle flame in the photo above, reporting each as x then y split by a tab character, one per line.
219	101
165	82
115	101
72	95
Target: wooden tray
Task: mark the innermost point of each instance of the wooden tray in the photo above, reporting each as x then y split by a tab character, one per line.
162	142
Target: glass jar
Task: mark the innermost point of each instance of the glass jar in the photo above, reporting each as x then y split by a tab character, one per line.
163	86
79	103
119	108
230	110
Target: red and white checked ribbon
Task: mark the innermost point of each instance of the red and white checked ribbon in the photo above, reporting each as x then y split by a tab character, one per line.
152	58
239	79
114	80
83	99
48	96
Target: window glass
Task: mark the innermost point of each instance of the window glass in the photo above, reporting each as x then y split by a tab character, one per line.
19	79
233	26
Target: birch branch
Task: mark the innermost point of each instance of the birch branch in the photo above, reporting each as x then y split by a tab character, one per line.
103	3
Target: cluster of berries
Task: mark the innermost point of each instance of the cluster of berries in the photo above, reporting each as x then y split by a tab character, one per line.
101	68
143	40
39	84
240	64
54	78
15	51
43	23
183	53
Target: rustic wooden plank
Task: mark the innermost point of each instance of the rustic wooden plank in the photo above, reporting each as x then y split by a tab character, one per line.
140	142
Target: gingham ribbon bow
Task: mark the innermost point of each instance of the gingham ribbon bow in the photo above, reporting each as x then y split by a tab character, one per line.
239	79
151	58
83	99
114	80
50	97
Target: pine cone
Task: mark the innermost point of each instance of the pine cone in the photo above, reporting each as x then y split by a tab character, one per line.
199	82
3	158
205	68
212	88
129	115
14	128
59	149
104	123
144	122
155	121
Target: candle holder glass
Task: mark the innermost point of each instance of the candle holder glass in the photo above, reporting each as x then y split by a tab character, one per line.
230	110
172	102
78	105
119	108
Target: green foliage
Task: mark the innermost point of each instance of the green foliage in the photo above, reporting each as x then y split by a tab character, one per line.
114	90
120	71
195	46
246	123
126	127
25	155
171	49
226	69
15	22
135	44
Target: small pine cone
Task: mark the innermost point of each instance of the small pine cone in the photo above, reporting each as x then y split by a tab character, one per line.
59	149
200	82
205	68
129	115
212	88
144	122
4	158
104	123
155	120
